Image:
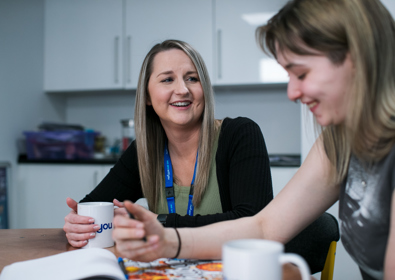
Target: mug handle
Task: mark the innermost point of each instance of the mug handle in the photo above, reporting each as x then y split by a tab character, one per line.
299	262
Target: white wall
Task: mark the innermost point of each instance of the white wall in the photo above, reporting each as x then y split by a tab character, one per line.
278	118
22	102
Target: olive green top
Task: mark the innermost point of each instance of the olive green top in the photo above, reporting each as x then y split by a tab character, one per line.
211	202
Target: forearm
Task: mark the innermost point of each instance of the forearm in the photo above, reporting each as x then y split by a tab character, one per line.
206	242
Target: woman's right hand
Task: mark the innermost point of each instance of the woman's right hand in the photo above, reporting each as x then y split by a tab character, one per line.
79	229
128	235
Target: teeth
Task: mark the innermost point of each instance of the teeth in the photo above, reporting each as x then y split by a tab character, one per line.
312	104
181	104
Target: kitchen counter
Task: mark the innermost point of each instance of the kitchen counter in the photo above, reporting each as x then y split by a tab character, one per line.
22	159
276	160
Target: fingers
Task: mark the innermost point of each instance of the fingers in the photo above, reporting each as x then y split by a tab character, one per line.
72	203
138	250
121	212
79	240
123	221
117	203
128	233
74	218
140	213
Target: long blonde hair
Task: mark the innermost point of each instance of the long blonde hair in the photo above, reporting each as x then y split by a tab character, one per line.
365	30
150	135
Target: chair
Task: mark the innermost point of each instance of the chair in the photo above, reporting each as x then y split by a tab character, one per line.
327	272
317	245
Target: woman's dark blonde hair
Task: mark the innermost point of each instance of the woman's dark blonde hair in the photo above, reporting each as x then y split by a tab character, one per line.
365	30
150	135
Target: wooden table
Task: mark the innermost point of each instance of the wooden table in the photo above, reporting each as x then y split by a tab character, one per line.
26	244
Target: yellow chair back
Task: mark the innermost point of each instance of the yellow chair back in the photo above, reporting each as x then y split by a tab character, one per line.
327	272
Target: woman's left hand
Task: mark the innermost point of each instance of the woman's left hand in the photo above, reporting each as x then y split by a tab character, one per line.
128	235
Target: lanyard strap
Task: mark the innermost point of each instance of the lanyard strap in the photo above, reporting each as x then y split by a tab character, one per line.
169	190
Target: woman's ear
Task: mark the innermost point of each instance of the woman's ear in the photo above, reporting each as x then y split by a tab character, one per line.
148	102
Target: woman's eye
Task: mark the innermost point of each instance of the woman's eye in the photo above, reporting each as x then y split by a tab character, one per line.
301	77
167	80
192	79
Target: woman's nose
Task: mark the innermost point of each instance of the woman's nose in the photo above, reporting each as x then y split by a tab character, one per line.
293	91
181	87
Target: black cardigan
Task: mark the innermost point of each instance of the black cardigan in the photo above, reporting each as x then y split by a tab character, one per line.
243	174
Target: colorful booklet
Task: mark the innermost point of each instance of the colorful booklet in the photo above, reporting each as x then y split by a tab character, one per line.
102	264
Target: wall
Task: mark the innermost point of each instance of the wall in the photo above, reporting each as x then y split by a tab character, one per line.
22	102
277	117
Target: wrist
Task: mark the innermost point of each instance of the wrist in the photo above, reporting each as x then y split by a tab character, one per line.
172	243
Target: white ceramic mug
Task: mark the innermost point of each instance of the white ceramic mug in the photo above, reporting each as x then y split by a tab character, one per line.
247	259
103	213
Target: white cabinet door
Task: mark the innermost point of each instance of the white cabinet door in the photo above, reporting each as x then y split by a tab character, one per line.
153	21
238	58
83	45
281	176
42	190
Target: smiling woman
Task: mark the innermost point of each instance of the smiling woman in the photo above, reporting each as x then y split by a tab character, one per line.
215	169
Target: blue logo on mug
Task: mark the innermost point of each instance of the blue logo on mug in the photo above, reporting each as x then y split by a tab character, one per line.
104	227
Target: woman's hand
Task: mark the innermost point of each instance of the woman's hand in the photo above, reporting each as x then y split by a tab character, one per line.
121	208
78	228
128	235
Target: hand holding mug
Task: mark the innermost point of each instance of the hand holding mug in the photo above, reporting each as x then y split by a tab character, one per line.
79	229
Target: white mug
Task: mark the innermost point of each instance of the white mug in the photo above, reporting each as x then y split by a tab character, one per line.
103	213
247	259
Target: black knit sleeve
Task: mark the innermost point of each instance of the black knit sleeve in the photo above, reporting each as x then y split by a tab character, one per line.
122	182
243	174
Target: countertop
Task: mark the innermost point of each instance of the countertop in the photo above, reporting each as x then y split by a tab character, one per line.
276	160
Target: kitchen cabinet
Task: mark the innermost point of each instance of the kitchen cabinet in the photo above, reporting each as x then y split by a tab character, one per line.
281	176
101	44
153	21
42	190
83	45
238	58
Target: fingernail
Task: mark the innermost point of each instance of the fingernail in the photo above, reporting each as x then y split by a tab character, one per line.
91	220
92	234
96	227
116	199
85	241
140	232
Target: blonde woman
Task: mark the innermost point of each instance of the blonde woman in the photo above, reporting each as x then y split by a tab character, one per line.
340	57
226	161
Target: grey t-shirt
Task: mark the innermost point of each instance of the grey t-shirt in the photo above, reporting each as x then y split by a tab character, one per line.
365	211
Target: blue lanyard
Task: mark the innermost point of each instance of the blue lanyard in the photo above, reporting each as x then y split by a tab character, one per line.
169	184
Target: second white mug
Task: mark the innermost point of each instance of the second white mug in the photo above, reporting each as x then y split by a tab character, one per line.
247	259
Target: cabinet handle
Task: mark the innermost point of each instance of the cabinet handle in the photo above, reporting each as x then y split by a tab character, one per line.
129	48
116	78
219	53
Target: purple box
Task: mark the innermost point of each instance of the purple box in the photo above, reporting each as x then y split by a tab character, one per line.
61	145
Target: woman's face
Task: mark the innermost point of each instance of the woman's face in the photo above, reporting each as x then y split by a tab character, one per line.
175	92
323	86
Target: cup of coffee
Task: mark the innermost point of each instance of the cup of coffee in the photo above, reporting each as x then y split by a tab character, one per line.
247	259
103	213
